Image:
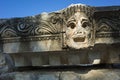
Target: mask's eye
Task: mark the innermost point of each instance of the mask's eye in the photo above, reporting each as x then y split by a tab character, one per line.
71	25
85	24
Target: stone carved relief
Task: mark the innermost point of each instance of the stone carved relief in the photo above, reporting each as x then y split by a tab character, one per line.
52	24
78	31
107	25
73	25
31	26
78	26
16	27
107	30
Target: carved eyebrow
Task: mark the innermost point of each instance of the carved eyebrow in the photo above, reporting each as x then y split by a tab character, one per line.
71	20
84	20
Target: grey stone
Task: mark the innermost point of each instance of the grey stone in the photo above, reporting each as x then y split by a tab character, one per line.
34	75
69	76
101	75
98	74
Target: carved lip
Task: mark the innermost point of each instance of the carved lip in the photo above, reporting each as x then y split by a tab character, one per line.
79	39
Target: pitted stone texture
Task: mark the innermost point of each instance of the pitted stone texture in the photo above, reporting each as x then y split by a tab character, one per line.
98	74
69	76
102	75
2	60
3	66
30	76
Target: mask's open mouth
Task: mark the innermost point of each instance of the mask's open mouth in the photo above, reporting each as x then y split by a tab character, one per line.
79	39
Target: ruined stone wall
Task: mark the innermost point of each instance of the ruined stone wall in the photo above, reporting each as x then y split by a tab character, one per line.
74	36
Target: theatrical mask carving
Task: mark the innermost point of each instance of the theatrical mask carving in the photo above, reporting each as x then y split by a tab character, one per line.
78	31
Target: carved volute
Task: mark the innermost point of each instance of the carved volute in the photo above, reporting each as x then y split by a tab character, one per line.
76	27
78	34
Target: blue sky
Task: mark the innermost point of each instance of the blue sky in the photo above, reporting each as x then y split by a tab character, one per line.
21	8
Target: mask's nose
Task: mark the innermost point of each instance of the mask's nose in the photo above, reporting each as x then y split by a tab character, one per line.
80	29
80	32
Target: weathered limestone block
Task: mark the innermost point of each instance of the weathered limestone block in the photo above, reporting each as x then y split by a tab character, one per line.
80	33
2	60
101	75
69	76
49	31
78	26
34	75
97	74
54	60
32	46
2	63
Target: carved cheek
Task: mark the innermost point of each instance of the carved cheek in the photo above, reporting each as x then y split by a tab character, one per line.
87	31
70	32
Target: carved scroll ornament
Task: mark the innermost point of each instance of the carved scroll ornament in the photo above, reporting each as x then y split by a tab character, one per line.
76	27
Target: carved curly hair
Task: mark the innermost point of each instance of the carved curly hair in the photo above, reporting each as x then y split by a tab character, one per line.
72	9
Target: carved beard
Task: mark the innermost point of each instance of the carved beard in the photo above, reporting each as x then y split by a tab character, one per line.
78	31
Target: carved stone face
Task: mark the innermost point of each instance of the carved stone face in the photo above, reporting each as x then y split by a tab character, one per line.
78	31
